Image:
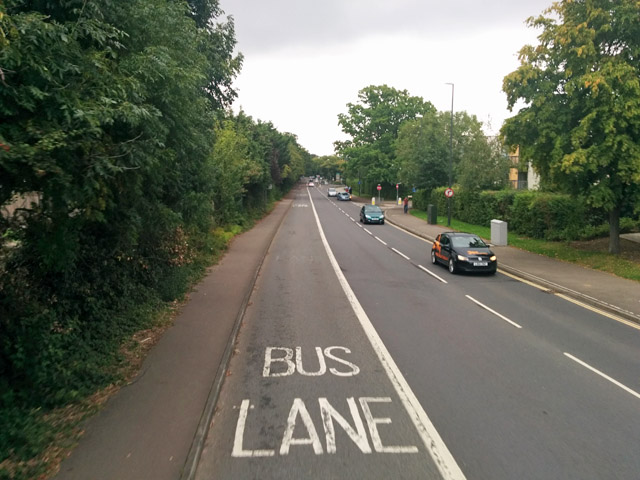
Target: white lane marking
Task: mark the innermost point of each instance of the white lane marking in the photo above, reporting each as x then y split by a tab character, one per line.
367	231
352	219
493	311
603	375
360	226
431	438
400	253
629	323
432	274
601	312
381	241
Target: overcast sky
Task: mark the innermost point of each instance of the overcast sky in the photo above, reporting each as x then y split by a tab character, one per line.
304	60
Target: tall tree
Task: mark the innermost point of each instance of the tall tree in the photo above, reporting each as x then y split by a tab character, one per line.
580	126
481	162
373	125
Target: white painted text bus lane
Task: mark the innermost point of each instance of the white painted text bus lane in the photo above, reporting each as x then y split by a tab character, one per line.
312	424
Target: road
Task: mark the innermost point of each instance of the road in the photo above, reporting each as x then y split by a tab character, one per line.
357	358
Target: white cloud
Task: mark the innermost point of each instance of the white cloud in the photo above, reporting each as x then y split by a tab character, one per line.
301	86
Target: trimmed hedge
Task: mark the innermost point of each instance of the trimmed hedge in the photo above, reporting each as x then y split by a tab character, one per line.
549	216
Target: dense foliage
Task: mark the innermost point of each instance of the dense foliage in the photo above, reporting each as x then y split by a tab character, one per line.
542	215
115	130
396	138
580	126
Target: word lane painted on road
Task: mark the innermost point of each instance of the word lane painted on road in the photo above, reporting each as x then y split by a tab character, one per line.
303	418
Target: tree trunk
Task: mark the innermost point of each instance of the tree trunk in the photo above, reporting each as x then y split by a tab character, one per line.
614	230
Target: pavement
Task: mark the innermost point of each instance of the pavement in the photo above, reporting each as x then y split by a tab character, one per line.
154	428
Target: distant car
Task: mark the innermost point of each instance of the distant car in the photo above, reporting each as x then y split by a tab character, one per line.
371	214
311	184
463	252
331	192
344	196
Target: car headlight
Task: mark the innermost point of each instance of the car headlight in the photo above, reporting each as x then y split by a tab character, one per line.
381	216
493	258
462	258
368	217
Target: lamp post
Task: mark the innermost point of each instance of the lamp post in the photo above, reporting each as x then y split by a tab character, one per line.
450	159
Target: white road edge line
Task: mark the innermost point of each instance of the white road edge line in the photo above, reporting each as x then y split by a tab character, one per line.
430	437
381	241
603	375
400	253
493	311
432	274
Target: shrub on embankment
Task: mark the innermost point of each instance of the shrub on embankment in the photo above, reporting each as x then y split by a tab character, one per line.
115	128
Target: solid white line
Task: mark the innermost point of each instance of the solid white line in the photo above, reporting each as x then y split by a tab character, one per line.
432	274
381	241
367	231
493	311
400	253
603	375
431	438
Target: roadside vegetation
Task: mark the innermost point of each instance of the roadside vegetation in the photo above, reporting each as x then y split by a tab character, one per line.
123	176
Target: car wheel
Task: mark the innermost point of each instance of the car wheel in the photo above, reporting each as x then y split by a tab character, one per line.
452	266
382	222
434	260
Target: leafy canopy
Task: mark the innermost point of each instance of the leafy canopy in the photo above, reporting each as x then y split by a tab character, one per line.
580	125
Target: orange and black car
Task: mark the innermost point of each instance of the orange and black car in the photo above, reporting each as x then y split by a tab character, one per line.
463	252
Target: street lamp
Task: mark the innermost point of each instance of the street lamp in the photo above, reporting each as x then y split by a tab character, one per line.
450	159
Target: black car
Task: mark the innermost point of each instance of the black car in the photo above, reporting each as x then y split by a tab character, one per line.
463	252
371	214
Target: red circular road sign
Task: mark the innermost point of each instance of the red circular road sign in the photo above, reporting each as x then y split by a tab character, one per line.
448	193
379	188
397	186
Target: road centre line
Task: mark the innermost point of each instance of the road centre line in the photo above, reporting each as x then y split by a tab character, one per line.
367	231
432	274
493	311
603	375
400	253
381	241
434	444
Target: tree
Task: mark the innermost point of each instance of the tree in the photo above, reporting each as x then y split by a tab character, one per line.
373	125
481	163
580	125
423	151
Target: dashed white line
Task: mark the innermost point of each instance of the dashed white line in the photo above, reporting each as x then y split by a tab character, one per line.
400	253
381	241
493	311
352	219
603	375
367	231
432	274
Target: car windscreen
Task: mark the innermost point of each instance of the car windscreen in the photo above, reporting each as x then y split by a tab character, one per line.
467	242
372	210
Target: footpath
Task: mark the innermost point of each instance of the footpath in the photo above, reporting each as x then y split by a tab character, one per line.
154	427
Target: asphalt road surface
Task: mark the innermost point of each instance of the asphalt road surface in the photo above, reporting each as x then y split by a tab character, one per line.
358	358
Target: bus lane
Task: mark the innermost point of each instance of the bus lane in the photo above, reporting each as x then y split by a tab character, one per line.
309	392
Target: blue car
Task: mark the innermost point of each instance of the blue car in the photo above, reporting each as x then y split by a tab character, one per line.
371	214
